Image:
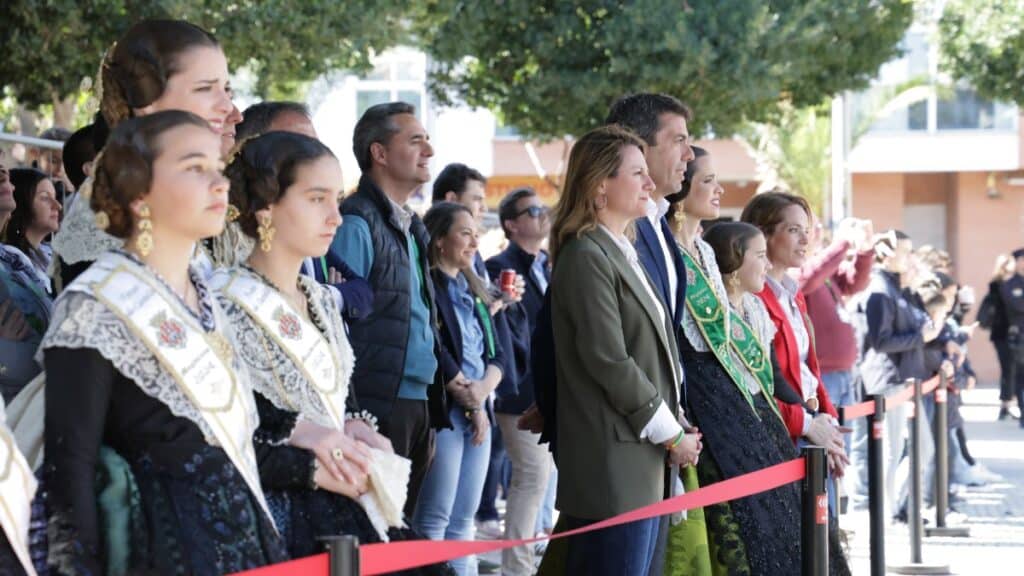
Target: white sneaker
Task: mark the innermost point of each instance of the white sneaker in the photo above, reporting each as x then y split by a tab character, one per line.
489	530
983	473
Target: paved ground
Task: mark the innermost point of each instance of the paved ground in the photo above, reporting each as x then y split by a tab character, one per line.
995	512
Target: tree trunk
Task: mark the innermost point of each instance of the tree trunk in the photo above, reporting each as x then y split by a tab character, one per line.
64	112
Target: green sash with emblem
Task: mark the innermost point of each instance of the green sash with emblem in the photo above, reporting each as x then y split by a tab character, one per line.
707	311
755	357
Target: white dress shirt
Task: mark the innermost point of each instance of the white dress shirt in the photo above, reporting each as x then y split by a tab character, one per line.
664	425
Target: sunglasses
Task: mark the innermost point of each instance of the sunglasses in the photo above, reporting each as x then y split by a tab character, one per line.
533	211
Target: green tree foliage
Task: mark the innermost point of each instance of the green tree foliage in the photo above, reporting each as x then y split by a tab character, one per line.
552	67
983	42
54	46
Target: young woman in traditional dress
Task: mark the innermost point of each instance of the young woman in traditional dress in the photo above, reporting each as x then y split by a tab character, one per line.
136	359
336	475
759	534
156	65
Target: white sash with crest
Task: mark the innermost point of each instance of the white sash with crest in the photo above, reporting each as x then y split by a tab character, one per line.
317	357
309	350
199	362
17	488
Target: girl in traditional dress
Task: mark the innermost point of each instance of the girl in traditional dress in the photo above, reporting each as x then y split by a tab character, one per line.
157	65
336	475
136	359
758	534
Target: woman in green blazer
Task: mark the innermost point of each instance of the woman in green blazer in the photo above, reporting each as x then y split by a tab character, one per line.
616	360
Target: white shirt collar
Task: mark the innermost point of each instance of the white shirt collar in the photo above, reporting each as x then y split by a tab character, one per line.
656	210
623	243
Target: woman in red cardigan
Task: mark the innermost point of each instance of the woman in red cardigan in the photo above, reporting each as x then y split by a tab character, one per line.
784	219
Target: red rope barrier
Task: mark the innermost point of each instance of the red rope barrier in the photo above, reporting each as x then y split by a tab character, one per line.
384	558
395	556
865	408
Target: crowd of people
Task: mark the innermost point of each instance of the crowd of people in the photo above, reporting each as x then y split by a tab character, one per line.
211	357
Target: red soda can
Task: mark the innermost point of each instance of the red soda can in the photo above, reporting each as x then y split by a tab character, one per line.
508	282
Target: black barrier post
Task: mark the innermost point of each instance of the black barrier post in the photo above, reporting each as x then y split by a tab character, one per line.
941	428
876	485
814	531
841	499
914	522
343	552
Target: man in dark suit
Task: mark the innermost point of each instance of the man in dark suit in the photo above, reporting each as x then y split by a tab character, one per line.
660	120
525	222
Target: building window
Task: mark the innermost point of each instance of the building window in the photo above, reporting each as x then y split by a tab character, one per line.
965	110
367	98
398	75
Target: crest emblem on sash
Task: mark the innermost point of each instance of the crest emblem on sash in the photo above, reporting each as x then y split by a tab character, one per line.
737	332
169	332
691	276
287	324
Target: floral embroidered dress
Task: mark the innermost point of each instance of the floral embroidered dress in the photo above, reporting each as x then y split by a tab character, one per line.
130	366
759	534
300	368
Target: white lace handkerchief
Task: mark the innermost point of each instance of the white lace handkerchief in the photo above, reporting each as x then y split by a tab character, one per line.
389	487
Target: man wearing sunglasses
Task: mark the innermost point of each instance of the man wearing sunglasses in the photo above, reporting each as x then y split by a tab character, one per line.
525	222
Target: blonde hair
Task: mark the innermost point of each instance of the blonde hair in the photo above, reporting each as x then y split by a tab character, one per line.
595	157
1004	267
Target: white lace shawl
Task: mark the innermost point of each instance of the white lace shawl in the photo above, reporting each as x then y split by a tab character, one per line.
79	240
710	267
80	320
272	370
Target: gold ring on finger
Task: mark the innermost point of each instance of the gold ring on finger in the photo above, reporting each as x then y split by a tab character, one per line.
337	454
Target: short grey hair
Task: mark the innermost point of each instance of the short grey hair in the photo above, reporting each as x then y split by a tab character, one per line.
376	125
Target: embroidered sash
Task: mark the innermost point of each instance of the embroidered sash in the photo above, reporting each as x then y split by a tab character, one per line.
707	311
755	357
199	362
309	350
17	488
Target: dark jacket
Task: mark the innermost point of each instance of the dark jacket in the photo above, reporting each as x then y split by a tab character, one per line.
356	292
451	357
652	258
648	249
893	345
545	377
515	393
1000	323
1011	293
615	362
380	338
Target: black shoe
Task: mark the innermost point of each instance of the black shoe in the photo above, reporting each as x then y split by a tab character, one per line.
1004	414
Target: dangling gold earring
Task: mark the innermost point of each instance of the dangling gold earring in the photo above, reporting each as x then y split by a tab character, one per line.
265	231
144	240
734	281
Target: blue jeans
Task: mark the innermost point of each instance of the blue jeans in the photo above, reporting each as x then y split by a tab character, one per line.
623	549
841	392
496	476
451	490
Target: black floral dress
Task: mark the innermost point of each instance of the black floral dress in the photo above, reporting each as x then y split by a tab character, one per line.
188	510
